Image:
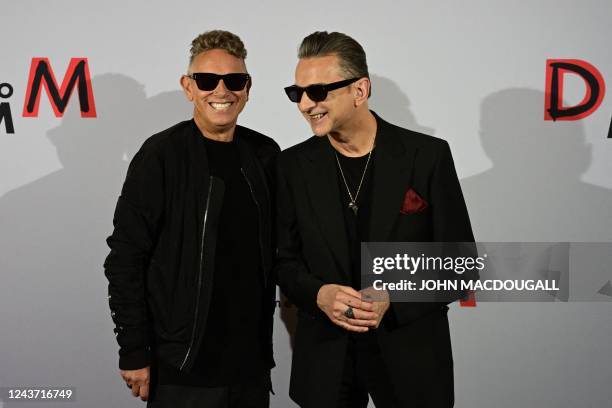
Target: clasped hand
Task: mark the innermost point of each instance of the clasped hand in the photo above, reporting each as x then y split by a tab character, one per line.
335	300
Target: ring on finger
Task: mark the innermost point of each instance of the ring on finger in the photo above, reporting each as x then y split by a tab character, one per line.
349	313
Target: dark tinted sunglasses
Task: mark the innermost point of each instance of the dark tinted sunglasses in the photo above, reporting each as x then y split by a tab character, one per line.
316	92
207	81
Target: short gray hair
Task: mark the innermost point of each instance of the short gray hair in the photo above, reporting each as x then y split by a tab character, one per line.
217	39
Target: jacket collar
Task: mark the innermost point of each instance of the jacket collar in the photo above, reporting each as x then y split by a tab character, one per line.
248	159
392	170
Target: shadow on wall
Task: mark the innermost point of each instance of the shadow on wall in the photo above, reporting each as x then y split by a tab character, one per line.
393	105
53	243
534	192
552	354
390	102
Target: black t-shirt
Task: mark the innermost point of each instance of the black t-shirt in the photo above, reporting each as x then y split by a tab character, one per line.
357	225
233	349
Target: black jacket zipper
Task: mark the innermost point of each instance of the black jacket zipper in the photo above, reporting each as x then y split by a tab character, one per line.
200	273
261	251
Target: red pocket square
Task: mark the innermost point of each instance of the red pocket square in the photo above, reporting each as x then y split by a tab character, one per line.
413	203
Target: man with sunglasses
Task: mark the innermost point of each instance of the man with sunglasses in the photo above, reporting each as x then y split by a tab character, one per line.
190	288
360	179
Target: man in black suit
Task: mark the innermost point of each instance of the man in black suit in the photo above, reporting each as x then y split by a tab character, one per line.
360	179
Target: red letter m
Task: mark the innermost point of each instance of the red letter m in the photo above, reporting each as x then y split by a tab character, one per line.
77	75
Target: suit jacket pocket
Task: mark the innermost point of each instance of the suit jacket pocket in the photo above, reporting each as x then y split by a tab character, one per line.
414	227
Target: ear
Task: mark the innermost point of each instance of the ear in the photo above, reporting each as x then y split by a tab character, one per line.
362	90
248	88
187	85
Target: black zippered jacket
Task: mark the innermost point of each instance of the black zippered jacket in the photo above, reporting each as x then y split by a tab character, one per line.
161	262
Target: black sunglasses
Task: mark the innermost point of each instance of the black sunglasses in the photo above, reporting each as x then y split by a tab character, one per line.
316	92
207	81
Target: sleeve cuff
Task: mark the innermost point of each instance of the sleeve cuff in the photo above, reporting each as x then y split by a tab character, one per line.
314	288
134	360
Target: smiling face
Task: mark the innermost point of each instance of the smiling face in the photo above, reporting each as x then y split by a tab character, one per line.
217	110
334	113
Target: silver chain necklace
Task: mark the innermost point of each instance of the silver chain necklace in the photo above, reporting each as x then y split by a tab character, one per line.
353	200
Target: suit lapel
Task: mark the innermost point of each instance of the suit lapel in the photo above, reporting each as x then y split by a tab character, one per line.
393	167
320	173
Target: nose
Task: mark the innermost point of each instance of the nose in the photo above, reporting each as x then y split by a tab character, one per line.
220	89
306	104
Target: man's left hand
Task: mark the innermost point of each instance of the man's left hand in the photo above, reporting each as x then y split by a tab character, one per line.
380	308
381	303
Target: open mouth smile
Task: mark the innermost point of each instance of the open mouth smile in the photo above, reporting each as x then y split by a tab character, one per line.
317	116
220	106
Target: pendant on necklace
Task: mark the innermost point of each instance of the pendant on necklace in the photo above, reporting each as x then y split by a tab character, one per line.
353	207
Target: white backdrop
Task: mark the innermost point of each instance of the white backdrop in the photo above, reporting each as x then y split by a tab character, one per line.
471	72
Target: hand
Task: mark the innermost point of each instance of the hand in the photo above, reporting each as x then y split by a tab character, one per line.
334	300
138	381
380	305
380	308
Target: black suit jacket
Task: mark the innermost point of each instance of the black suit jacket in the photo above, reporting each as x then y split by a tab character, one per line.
313	250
